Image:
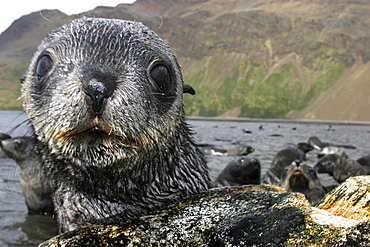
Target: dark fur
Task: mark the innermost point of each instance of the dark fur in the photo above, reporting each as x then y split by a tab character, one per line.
364	161
113	141
34	183
299	177
241	171
339	167
282	159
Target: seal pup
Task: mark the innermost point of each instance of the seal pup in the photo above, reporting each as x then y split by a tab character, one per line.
318	144
364	161
339	167
299	177
241	171
326	148
331	150
239	150
3	136
104	98
284	158
34	183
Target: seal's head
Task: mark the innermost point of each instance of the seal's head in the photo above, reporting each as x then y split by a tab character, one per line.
299	177
101	90
241	171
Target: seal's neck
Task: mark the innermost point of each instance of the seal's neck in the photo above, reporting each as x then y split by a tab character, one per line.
147	182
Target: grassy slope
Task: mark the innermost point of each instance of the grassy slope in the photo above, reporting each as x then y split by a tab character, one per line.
258	92
10	86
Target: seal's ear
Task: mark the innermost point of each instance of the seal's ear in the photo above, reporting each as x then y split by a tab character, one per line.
22	79
188	89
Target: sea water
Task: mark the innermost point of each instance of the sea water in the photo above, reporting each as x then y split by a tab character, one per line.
267	137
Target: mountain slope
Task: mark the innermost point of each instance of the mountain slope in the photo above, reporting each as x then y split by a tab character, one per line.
249	58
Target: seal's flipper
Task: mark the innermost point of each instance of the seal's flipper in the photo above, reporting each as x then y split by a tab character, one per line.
188	89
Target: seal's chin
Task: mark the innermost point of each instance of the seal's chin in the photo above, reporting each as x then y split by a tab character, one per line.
298	180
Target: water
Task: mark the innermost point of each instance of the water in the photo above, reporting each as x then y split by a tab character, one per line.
17	228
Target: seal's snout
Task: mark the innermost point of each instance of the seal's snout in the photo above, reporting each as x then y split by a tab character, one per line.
98	91
99	86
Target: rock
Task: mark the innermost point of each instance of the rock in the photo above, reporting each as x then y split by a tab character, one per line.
351	199
257	215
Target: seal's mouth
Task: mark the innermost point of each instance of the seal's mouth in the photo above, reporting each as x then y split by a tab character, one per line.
100	133
92	130
96	132
298	180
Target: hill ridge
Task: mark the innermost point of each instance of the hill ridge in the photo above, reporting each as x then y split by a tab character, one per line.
271	59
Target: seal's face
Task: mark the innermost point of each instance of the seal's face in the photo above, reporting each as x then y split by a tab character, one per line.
299	177
99	91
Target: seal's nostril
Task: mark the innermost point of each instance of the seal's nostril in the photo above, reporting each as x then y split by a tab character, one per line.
97	91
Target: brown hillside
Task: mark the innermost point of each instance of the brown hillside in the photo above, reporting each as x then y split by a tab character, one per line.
299	59
348	99
20	40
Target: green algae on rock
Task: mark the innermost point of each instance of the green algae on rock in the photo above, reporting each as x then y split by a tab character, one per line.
258	215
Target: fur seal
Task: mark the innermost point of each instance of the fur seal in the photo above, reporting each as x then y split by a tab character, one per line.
239	150
284	158
104	98
299	177
331	150
34	183
241	171
326	148
317	143
364	161
339	167
3	136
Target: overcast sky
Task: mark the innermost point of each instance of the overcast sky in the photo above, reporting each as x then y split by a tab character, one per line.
11	10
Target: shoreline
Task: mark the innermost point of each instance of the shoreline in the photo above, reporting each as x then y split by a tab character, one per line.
276	120
252	120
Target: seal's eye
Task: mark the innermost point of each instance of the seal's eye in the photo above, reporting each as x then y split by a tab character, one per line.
44	64
161	76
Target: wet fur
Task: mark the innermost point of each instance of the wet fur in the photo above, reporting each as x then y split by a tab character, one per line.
241	171
134	156
34	183
299	177
282	159
339	167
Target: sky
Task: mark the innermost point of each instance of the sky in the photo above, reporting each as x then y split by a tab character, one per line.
14	9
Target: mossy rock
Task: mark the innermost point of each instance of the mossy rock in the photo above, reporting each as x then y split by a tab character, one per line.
255	215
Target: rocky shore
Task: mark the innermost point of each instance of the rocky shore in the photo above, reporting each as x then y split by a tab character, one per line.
253	215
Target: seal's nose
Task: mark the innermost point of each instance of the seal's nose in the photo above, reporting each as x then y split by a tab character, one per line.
98	91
